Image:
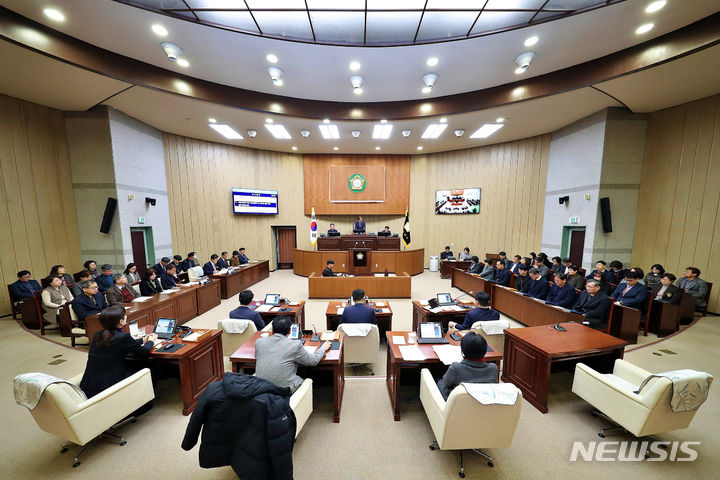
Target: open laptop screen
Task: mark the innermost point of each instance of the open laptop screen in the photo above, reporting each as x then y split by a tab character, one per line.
165	325
430	330
444	298
272	299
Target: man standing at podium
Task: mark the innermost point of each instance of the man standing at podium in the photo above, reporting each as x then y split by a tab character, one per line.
359	226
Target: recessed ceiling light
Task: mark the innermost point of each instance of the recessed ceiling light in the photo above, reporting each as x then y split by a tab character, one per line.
426	90
530	41
406	133
172	51
358	90
426	107
355	133
329	132
644	28
377	148
383	121
182	62
226	131
655	6
500	120
294	148
443	120
252	133
54	14
336	148
434	130
432	61
182	86
275	75
459	132
212	120
159	30
355	65
487	130
382	132
278	131
268	120
326	120
420	147
271	58
305	133
520	70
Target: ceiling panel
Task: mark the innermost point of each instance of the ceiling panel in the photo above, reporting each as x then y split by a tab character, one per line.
234	4
498	20
514	4
271	4
285	24
338	27
395	4
440	25
569	4
392	27
239	20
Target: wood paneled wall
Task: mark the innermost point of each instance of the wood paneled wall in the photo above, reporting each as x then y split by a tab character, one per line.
38	225
678	222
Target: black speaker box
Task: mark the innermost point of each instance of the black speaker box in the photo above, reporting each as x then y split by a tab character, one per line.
606	216
108	215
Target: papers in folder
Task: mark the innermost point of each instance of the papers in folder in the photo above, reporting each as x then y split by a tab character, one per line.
385	310
379	304
411	353
327	336
263	308
398	340
340	310
448	353
142	299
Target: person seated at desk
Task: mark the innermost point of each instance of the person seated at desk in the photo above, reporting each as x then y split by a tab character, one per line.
186	264
76	289
668	293
150	284
561	293
54	296
161	266
235	259
472	369
604	285
637	270
557	266
241	255
481	313
359	226
332	229
694	286
446	254
358	312
465	255
328	268
132	274
475	266
167	279
600	267
244	312
65	278
223	261
105	281
502	274
574	278
386	231
24	287
211	267
177	260
90	302
513	268
91	266
593	304
277	357
120	292
653	280
506	261
488	272
538	286
522	279
106	360
541	267
566	264
617	272
631	294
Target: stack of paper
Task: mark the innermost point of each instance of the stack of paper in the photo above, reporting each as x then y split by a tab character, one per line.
293	304
411	353
379	304
263	308
340	310
142	299
310	348
398	340
385	310
327	336
448	353
436	309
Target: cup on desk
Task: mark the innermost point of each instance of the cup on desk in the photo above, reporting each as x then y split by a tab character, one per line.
411	337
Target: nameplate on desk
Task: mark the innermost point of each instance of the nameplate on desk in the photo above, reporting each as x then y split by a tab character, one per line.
197	336
385	310
141	299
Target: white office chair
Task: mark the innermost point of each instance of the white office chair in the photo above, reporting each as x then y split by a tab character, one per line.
301	403
358	349
462	422
493	332
64	413
642	414
195	273
235	333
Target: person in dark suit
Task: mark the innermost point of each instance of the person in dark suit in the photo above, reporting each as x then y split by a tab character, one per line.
593	304
108	349
177	261
167	279
90	302
617	272
446	254
91	266
25	286
561	293
161	266
332	229
694	286
513	268
222	261
538	286
104	281
76	289
211	267
472	369
506	261
243	258
358	312
502	274
566	264
653	279
522	279
359	226
247	313
667	293
475	266
600	266
488	272
604	285
574	278
557	266
328	268
150	284
60	271
631	294
481	313
120	292
186	264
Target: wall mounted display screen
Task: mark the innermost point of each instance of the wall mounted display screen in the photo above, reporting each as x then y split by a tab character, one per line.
255	202
463	200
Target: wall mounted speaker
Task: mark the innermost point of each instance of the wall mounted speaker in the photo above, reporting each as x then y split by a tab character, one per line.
605	213
108	215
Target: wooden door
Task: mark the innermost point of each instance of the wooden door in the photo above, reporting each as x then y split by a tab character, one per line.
137	239
577	245
286	242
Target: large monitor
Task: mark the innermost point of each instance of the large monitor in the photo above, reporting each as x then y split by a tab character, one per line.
458	201
251	201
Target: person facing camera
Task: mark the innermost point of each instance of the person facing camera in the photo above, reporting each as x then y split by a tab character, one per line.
472	369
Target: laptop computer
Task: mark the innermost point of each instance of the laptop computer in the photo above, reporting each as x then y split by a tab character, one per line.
272	299
431	332
165	328
444	299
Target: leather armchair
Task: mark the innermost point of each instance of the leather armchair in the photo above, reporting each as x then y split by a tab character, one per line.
301	403
232	341
360	350
495	340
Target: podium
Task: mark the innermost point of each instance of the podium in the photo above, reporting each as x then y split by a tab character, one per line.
361	263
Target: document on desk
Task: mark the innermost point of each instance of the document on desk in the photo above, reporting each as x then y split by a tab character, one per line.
436	309
142	299
379	304
411	353
310	349
454	308
263	308
294	304
340	310
385	310
327	336
448	353
398	340
275	309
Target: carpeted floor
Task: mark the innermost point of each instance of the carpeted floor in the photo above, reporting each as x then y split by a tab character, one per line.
367	443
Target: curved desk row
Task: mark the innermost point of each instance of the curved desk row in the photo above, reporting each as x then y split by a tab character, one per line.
306	262
375	287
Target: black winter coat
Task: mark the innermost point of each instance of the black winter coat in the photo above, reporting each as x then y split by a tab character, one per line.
246	423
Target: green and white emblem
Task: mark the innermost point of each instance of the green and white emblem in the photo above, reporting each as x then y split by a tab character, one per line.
357	183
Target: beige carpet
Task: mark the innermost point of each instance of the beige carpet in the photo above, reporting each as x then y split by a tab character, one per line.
367	443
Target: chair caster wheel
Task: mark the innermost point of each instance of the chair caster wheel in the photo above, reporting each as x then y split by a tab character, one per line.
76	464
134	420
431	447
601	435
122	444
461	475
64	449
593	414
373	373
491	464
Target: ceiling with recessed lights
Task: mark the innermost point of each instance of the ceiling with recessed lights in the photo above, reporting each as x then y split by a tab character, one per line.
447	96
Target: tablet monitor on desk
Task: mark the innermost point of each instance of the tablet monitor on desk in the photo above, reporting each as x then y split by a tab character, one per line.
295	331
444	299
165	328
272	299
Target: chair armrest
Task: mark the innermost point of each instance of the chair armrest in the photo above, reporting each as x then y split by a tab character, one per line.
140	378
301	403
630	372
434	405
609	387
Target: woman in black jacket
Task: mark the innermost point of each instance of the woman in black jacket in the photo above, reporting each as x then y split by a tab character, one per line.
109	347
150	284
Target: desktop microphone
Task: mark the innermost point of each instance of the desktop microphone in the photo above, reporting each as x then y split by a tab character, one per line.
315	337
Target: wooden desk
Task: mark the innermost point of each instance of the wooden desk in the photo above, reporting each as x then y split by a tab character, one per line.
422	315
200	363
242	277
395	365
208	297
531	352
296	312
447	267
31	318
384	320
527	310
306	262
471	282
625	323
346	242
375	287
244	358
664	318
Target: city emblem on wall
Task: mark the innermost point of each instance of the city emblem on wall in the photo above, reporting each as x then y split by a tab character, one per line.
359	255
357	183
